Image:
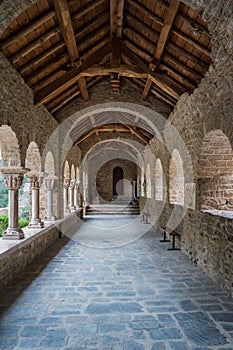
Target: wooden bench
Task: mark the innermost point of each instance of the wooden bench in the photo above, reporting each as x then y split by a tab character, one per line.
164	236
146	217
174	234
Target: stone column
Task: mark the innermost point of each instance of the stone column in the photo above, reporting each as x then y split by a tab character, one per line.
35	184
76	201
66	185
71	197
13	179
49	185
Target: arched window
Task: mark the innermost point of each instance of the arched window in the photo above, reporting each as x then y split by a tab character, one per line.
148	181
176	179
118	176
158	180
216	172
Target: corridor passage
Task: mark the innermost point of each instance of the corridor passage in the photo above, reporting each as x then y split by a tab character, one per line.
134	295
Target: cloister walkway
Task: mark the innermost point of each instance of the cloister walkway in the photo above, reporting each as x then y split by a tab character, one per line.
130	294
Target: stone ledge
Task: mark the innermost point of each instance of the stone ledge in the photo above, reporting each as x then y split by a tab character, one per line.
16	255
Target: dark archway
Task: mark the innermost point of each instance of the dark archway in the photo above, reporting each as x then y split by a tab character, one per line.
118	176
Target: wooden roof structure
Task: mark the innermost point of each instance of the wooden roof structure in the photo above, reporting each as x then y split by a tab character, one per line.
63	48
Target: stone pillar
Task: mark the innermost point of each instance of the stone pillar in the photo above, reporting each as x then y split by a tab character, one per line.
13	179
66	185
71	197
35	183
76	201
49	184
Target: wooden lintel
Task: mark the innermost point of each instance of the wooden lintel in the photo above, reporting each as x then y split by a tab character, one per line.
67	79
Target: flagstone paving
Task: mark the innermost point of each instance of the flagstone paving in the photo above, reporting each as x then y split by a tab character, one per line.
136	296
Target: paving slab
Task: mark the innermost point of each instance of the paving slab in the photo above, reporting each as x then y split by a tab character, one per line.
126	293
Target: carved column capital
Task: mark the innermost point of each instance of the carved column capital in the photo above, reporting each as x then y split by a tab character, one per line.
50	182
13	181
66	183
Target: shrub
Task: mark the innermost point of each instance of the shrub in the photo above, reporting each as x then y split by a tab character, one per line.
23	222
3	223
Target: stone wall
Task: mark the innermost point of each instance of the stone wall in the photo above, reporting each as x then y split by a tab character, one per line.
206	238
15	260
104	179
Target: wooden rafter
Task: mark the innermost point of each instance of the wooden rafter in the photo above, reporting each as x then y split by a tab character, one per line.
93	123
116	27
69	78
64	19
163	38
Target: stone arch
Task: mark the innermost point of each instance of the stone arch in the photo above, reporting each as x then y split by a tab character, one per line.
9	147
176	179
216	172
148	181
33	158
158	180
49	166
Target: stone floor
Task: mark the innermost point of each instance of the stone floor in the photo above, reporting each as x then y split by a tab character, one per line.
134	295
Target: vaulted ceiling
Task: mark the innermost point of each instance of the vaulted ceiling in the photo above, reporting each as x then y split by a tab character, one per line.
64	48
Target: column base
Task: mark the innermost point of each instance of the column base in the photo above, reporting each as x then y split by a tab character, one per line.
36	224
13	233
50	218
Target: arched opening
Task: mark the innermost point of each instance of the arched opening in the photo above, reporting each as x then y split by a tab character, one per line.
216	172
9	147
118	176
158	180
176	179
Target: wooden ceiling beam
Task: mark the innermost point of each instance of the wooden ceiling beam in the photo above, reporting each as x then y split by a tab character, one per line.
70	77
116	18
160	95
72	96
162	41
116	27
27	29
64	19
81	34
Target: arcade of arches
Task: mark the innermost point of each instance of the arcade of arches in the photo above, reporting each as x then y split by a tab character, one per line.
176	160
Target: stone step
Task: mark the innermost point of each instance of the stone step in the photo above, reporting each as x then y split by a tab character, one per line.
109	209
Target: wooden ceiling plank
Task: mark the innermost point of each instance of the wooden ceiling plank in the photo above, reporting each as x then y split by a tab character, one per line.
162	41
146	12
40	58
64	19
34	44
70	77
192	42
27	29
85	10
